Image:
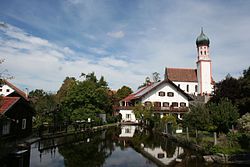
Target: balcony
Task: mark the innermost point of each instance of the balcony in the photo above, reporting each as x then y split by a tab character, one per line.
158	109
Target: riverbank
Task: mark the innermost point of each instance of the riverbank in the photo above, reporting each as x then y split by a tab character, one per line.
242	158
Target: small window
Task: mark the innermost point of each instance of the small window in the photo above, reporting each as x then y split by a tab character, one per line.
170	94
179	85
205	52
196	88
161	93
187	88
157	104
160	155
174	104
1	90
182	104
127	116
201	52
127	130
24	124
7	90
165	104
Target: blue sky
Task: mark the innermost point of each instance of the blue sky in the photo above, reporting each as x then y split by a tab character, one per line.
42	42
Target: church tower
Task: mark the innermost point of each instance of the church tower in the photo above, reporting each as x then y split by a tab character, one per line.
204	66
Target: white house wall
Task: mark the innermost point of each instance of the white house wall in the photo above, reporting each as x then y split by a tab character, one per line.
5	90
128	115
153	96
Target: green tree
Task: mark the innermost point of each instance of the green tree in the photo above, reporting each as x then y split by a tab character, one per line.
123	92
198	118
64	89
223	115
244	123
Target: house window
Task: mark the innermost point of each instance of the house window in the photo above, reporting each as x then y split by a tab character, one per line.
7	90
1	90
179	85
161	93
6	128
174	104
201	52
127	130
187	88
127	116
24	123
147	103
205	52
160	155
182	104
196	88
165	104
157	104
170	94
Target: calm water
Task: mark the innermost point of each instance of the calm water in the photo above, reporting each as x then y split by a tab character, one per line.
125	146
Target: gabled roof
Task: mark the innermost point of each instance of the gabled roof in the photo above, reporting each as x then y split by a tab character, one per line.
7	103
181	74
144	90
17	90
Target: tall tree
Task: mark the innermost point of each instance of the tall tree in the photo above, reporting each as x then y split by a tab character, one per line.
68	83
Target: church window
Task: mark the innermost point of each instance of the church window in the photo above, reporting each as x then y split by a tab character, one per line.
187	88
182	104
161	93
174	104
165	104
170	94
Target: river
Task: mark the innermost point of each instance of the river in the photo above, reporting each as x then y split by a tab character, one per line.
126	146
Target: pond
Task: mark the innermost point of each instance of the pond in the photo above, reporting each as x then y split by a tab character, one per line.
125	146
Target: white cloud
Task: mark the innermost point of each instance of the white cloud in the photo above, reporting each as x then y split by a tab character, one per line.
116	34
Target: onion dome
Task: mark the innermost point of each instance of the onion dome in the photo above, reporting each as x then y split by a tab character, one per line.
202	39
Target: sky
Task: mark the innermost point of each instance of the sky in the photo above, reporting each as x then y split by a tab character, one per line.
43	42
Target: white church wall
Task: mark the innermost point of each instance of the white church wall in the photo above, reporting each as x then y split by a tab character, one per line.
191	87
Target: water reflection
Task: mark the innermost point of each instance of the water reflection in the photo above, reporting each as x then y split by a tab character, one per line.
116	146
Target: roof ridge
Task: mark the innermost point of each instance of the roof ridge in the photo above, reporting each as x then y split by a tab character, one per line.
181	68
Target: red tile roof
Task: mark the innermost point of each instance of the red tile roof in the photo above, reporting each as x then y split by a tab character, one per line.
18	91
181	74
6	103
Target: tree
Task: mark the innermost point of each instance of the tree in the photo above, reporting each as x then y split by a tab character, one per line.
123	92
156	77
223	115
87	98
198	118
68	83
143	113
244	123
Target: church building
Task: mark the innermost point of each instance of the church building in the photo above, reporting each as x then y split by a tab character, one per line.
179	87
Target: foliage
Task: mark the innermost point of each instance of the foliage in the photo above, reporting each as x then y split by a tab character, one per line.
44	104
236	90
143	113
169	119
223	115
123	92
244	123
198	118
86	99
64	89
